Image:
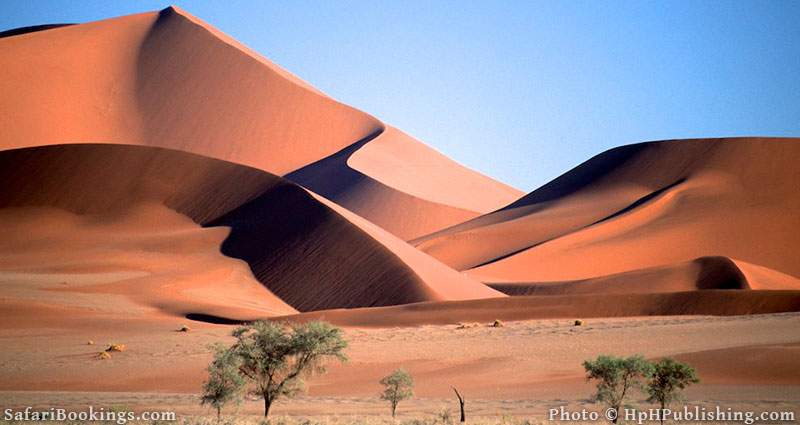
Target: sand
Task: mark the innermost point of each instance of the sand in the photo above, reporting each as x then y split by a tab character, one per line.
640	206
309	252
156	173
521	368
168	79
402	185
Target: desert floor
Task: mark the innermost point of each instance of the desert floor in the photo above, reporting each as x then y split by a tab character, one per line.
521	369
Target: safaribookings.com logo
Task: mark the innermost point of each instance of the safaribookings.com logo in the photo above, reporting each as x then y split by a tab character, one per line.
693	414
89	415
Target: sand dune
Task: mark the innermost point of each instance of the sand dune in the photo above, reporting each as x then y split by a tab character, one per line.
146	261
166	79
316	255
309	252
640	206
699	274
169	79
402	185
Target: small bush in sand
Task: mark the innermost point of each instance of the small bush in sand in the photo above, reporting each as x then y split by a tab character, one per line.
578	322
90	342
668	379
104	355
116	347
398	386
184	328
497	323
616	377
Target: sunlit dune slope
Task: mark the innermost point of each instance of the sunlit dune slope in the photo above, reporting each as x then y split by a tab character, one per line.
402	185
168	79
641	206
307	253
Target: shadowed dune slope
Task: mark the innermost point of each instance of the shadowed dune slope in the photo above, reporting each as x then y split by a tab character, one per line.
641	206
699	274
169	79
106	178
315	258
710	302
307	253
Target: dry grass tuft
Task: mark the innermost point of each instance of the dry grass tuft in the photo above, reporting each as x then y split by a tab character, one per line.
467	325
497	324
104	355
185	328
116	347
578	322
90	342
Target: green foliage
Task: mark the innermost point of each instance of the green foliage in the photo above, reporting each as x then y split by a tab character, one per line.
398	386
224	384
275	357
616	377
668	379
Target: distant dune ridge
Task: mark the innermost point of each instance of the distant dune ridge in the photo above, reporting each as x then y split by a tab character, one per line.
153	167
637	207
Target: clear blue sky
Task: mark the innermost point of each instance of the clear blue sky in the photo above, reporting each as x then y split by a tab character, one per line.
521	91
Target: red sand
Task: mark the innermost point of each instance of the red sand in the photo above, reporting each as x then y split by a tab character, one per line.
168	79
641	206
152	169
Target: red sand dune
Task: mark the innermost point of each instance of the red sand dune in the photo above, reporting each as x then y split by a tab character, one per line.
307	253
169	79
699	274
166	79
402	185
193	124
641	206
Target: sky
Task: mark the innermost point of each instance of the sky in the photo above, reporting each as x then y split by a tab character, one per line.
521	91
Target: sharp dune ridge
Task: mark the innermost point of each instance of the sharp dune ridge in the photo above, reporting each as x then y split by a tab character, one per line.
411	213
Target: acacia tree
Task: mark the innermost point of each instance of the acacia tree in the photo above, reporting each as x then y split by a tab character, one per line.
225	383
668	379
398	386
275	357
616	377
